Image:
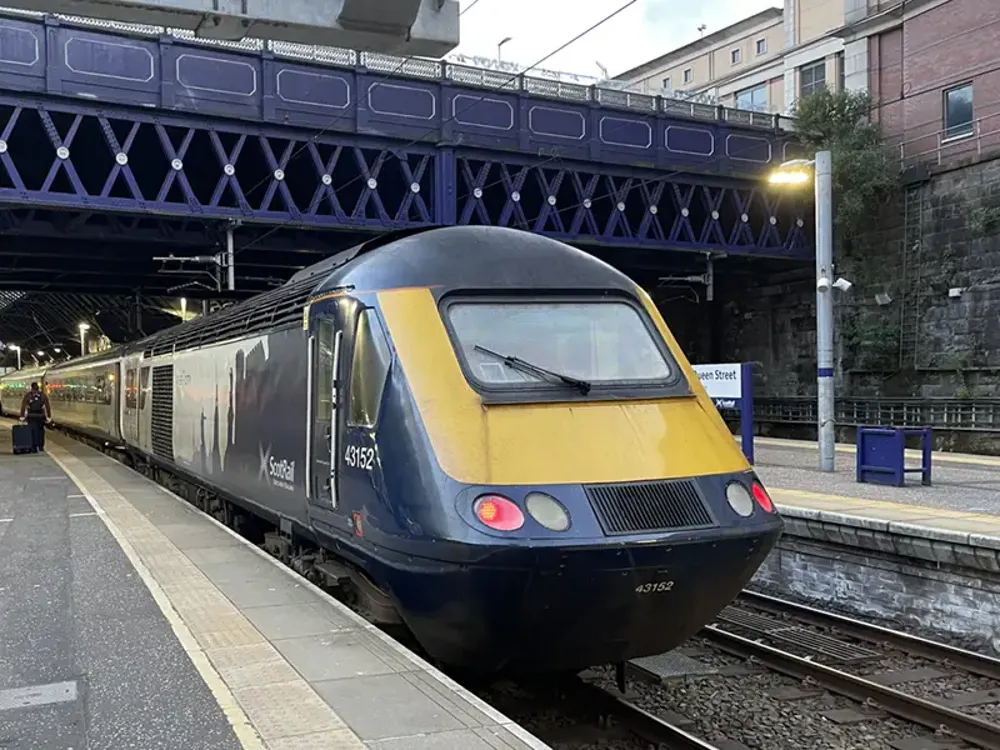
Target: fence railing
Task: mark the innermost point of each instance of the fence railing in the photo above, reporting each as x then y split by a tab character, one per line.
467	75
961	415
940	146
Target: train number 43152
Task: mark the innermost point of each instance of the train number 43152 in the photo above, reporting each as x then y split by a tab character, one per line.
658	587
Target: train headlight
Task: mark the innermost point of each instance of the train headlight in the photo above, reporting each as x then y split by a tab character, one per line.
738	497
498	513
548	511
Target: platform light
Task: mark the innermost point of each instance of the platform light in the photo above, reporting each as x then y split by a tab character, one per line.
84	327
796	172
792	172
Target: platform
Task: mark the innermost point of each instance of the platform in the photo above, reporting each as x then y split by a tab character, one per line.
926	557
963	483
128	619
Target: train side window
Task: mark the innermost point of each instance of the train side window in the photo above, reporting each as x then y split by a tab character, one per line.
143	387
130	399
324	370
368	371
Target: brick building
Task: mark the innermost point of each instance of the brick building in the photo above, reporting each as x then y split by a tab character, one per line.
923	317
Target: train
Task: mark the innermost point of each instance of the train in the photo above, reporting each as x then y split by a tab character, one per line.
483	435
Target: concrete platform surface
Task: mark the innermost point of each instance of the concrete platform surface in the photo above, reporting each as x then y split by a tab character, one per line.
961	482
128	619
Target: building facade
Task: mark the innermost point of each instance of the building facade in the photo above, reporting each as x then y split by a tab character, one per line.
933	72
762	63
930	66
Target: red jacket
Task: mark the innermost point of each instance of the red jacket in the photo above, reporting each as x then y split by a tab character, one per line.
45	399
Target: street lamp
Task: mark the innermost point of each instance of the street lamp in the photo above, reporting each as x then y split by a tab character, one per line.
500	46
84	327
795	172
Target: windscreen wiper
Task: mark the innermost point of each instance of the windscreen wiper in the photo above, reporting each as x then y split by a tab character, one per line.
517	363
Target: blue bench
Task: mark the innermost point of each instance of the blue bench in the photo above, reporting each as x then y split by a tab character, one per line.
881	455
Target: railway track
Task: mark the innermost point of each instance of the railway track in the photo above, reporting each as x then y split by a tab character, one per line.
859	673
573	714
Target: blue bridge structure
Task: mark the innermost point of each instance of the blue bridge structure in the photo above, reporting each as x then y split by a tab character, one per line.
117	133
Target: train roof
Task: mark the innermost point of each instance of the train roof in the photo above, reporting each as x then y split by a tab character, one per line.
25	373
478	257
471	257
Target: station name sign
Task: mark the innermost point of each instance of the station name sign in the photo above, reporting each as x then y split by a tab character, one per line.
723	383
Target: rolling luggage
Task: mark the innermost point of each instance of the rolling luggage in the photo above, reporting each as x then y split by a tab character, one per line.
20	437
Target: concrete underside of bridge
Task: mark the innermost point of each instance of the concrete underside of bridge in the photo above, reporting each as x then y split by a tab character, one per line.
429	28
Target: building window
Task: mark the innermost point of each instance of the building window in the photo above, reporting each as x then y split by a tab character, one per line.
762	46
812	78
958	111
666	83
736	55
688	75
754	99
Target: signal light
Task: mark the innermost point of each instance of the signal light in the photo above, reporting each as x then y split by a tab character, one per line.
762	498
498	513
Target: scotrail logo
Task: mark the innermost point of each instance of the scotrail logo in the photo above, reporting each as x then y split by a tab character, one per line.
277	472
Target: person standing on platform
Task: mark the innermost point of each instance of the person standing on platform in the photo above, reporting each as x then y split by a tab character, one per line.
35	410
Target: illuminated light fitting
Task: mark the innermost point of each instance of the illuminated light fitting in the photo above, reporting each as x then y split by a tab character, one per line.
786	177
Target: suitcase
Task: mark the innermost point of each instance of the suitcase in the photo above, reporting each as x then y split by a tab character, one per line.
20	437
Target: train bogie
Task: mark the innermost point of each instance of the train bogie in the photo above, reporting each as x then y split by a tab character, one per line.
493	434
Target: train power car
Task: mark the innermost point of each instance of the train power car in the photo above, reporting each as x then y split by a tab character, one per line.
484	433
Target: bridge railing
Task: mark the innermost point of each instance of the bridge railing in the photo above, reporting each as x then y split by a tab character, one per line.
444	70
964	415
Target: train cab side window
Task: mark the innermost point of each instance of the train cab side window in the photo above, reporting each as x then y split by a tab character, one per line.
143	387
368	371
130	399
324	370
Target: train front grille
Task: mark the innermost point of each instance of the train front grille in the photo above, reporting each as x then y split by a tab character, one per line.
668	505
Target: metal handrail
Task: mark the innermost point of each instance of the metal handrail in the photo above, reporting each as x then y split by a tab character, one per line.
963	415
443	70
982	127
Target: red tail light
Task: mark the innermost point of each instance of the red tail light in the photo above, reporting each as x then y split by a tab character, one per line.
762	498
498	513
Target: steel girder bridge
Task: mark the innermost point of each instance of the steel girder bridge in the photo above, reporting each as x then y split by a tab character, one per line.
136	161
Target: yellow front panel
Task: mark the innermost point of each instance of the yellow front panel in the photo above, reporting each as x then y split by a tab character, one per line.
550	443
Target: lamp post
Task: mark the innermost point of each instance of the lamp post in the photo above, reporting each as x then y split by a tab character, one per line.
794	173
500	47
84	327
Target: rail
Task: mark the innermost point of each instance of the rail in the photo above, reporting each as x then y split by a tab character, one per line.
659	732
444	70
970	728
953	414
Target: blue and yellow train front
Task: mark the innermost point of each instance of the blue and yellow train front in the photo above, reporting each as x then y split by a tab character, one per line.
548	534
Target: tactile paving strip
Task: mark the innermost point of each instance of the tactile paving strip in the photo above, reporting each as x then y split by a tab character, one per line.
279	712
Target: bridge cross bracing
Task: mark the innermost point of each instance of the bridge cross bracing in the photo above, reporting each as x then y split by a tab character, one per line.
124	119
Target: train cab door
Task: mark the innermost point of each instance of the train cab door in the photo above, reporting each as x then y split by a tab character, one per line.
145	411
130	402
325	353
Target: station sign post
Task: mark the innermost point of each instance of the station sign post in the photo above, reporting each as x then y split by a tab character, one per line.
730	386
